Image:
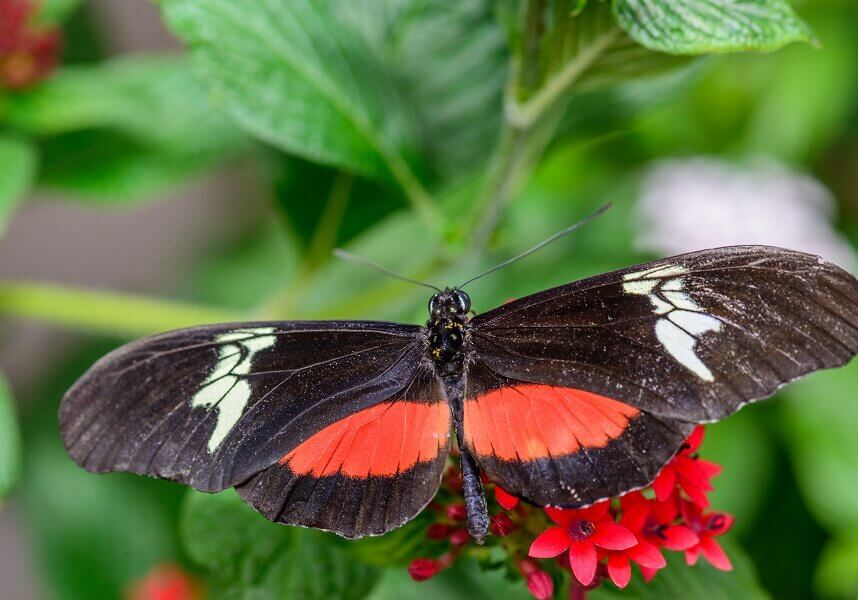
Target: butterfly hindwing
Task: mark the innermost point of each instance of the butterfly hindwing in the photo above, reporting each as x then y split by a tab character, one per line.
213	406
632	359
366	473
561	446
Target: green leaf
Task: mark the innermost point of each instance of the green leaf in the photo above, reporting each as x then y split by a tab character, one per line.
449	62
152	99
125	128
707	26
17	170
702	581
10	440
103	166
821	418
293	75
247	556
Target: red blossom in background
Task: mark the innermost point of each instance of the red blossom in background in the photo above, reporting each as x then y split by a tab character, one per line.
28	51
165	582
596	543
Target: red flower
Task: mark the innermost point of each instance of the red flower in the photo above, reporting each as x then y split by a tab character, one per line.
164	582
644	554
438	531
540	585
456	512
459	537
688	472
707	526
505	499
422	569
27	53
654	521
581	532
502	525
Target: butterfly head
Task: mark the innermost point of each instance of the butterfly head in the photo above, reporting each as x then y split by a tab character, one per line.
449	303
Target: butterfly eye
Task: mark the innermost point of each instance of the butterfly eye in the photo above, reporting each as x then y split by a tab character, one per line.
434	304
462	300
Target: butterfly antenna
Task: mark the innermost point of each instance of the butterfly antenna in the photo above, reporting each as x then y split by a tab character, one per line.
542	244
340	253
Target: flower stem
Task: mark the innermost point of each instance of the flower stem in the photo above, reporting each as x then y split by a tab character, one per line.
104	312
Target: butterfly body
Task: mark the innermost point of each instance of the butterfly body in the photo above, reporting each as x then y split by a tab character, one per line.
565	397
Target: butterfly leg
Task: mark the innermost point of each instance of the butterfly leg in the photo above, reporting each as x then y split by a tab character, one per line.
475	498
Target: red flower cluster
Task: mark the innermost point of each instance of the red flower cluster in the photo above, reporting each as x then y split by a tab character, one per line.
595	543
28	52
606	538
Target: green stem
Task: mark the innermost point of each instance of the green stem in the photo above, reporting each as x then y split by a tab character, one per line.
104	312
530	125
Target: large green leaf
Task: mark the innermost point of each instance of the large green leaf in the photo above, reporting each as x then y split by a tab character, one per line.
10	440
17	170
249	557
449	60
295	76
706	26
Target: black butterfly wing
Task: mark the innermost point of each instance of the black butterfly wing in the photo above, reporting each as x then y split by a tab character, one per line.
215	406
628	361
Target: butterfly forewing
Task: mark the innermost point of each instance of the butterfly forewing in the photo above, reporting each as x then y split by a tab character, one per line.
213	406
679	341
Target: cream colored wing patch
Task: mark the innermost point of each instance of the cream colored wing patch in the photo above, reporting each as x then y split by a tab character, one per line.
682	319
225	390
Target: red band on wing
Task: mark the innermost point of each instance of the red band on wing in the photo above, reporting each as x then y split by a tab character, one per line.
526	422
383	440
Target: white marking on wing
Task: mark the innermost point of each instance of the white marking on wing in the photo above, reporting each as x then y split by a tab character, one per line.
682	319
681	347
223	389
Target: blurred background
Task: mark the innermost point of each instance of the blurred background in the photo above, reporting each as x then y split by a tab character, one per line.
151	208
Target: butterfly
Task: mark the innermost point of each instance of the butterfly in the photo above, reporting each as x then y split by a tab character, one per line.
565	397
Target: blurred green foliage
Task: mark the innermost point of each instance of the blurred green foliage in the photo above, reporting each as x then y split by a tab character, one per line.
435	138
